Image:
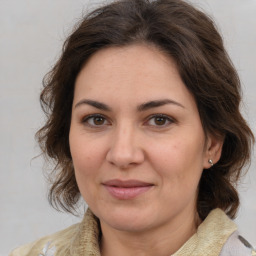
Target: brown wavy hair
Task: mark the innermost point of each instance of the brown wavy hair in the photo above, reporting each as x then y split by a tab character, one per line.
191	39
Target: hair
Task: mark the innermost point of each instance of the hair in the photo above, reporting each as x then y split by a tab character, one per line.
189	37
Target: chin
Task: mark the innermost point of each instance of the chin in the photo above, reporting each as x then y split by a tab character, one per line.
128	220
128	225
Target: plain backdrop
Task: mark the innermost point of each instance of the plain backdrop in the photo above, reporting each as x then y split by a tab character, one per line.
31	36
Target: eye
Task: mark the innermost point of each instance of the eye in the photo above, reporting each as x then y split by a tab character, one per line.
95	120
159	120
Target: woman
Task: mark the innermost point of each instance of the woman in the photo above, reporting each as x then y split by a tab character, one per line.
144	124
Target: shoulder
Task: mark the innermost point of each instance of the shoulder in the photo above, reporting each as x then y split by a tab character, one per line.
48	244
236	245
79	239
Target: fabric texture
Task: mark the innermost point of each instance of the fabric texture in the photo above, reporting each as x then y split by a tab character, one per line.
215	236
236	245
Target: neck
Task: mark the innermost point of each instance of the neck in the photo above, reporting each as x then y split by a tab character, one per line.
163	240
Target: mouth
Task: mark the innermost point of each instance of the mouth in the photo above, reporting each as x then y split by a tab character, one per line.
128	189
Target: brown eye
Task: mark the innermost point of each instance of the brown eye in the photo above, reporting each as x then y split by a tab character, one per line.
95	120
98	120
160	120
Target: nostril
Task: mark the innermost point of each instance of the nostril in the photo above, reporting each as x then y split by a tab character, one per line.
124	151
124	161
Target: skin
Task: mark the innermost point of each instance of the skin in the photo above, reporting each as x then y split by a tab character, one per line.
163	145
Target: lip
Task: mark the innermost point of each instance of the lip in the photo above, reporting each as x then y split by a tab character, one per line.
128	189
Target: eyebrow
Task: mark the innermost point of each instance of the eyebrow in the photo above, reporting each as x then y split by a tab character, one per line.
93	103
143	107
157	103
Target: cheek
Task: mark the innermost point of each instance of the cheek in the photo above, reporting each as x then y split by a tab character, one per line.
85	152
179	162
85	161
85	166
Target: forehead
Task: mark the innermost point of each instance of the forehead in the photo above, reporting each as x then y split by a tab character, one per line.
132	72
138	59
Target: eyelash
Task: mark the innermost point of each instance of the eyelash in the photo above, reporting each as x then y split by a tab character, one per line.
167	119
91	117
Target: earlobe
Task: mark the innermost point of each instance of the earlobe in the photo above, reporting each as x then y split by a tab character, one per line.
213	150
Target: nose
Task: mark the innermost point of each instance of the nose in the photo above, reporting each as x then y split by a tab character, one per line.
124	151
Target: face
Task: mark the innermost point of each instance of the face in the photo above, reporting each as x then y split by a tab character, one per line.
136	139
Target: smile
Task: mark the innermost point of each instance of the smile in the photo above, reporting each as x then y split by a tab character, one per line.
125	190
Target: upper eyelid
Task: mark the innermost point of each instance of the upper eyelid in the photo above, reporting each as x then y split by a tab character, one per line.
161	115
87	117
168	117
93	115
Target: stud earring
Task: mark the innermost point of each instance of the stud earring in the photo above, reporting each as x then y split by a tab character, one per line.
210	162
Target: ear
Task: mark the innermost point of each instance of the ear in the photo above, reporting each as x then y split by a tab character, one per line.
213	150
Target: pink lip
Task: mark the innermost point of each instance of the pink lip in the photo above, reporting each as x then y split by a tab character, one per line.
128	189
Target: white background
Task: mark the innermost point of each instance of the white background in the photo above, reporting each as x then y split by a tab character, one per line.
31	36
